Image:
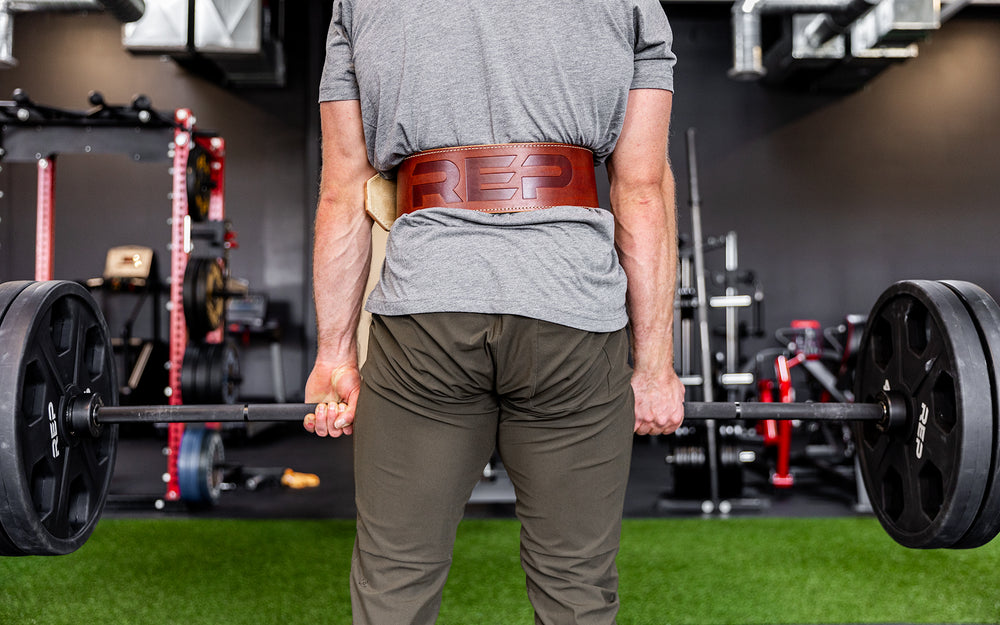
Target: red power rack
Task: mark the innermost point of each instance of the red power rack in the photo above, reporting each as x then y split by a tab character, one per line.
37	133
180	251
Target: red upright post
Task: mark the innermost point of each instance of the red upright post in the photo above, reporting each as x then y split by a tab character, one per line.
179	233
45	223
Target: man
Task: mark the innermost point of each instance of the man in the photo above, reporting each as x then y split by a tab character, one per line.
503	329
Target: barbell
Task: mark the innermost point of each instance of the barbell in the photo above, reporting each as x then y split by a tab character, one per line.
925	420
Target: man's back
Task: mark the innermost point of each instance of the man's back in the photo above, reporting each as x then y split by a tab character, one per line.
442	73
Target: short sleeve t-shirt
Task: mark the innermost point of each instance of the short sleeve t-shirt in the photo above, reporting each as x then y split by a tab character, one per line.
439	73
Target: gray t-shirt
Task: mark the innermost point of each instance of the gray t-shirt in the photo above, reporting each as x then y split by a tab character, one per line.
442	73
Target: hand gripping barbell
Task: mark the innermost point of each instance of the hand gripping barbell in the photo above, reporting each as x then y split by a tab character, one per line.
925	423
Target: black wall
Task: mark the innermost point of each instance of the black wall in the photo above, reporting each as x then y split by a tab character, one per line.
833	196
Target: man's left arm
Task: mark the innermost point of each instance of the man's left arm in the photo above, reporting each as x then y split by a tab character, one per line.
642	198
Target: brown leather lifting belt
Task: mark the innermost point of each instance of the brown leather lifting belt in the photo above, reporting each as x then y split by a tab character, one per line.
504	178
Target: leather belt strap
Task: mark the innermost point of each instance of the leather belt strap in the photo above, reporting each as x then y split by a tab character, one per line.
504	178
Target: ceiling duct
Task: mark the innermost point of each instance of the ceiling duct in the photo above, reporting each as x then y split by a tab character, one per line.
124	10
833	44
235	41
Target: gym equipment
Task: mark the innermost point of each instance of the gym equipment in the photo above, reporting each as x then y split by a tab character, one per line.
38	134
819	451
211	373
689	459
54	482
927	422
198	182
204	309
130	274
199	469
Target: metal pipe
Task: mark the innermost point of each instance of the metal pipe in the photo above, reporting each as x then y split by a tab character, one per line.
6	37
949	10
827	26
707	378
124	10
732	319
25	6
699	267
748	56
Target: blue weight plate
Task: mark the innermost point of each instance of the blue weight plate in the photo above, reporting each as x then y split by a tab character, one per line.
199	475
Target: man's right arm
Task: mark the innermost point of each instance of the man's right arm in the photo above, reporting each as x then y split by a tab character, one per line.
341	259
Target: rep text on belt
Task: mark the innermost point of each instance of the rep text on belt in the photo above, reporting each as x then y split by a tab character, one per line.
504	178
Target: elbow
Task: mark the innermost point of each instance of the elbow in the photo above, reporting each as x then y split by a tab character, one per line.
642	196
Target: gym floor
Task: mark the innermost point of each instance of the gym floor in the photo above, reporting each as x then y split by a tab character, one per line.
138	484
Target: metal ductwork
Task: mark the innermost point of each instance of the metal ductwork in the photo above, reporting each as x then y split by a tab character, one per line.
124	10
835	43
748	53
238	42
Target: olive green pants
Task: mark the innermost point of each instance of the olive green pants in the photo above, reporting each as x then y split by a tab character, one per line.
441	392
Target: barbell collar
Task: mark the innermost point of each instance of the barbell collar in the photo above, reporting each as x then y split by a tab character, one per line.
694	411
81	418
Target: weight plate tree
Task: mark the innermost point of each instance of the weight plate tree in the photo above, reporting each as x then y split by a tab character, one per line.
926	417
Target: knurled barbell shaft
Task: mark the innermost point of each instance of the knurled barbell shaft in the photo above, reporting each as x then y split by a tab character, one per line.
196	413
808	411
695	411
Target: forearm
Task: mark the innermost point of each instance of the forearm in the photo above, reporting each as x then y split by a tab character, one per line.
341	261
646	238
342	245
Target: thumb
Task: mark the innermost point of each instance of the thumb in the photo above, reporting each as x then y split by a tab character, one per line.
346	383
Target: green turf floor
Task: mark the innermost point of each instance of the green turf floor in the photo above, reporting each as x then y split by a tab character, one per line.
705	572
